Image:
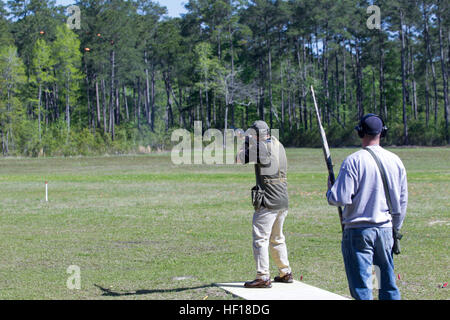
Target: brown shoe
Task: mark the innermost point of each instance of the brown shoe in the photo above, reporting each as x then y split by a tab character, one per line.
258	283
287	278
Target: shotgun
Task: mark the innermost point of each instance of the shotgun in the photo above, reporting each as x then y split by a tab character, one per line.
326	151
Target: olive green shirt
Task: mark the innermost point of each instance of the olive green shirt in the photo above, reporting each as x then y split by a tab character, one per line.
271	173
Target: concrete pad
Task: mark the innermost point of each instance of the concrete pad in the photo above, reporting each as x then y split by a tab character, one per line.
280	291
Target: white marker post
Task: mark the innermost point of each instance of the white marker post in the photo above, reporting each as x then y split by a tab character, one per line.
46	191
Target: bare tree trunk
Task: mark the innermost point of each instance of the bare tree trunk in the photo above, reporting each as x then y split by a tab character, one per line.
98	103
125	100
146	103
117	105
430	59
337	87
402	36
4	141
134	101
359	91
300	110
407	68
302	98
182	121
374	96
153	93
39	109
214	109
219	42
208	109
139	103
55	100
262	91
47	107
91	116
326	112
111	98
304	86
318	55
282	97
191	115
270	84
169	113
290	110
344	54
232	75
414	86
225	120
427	96
311	56
294	109
200	107
147	91
444	74
383	107
289	92
105	126
67	104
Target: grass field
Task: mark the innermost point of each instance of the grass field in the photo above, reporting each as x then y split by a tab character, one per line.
141	228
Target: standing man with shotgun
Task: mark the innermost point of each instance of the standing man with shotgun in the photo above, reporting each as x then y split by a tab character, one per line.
372	188
270	201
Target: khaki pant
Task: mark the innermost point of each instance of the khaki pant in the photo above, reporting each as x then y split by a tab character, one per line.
268	233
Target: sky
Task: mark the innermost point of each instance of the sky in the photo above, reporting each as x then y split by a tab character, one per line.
175	7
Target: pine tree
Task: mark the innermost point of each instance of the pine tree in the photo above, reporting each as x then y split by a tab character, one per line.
11	111
43	64
66	50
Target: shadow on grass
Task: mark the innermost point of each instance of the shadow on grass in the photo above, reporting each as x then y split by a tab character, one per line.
110	293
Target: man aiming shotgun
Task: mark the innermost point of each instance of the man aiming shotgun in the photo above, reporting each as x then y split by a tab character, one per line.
270	201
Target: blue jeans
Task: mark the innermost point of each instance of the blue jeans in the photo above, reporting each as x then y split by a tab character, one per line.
362	248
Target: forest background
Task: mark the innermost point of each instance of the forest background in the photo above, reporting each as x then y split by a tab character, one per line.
130	74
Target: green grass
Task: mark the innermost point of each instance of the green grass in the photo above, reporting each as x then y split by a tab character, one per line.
135	223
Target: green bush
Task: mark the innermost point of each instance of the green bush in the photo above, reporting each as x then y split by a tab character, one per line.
56	141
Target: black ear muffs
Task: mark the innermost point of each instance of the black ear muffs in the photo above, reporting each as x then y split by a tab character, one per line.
360	127
360	130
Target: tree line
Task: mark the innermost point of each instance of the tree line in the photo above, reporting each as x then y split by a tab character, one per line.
130	74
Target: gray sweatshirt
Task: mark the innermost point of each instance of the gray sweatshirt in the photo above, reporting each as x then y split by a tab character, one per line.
359	188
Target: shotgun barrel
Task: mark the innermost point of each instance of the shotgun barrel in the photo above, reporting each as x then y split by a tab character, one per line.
326	151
